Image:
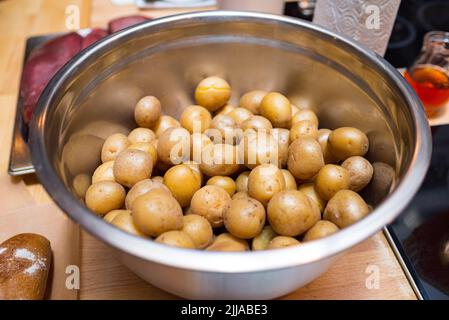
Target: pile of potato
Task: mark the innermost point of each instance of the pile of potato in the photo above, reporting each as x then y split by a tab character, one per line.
260	175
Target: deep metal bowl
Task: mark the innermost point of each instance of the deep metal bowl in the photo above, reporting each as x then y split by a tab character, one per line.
348	85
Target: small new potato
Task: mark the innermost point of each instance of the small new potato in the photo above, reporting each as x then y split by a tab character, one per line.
219	159
198	141
304	128
346	142
183	182
147	111
104	196
280	242
173	146
323	136
240	115
228	243
156	212
176	238
310	191
262	240
225	110
345	208
304	115
257	148
104	172
251	100
290	213
240	194
141	135
305	158
163	123
321	229
360	172
141	188
290	182
80	184
145	147
114	213
242	181
124	221
331	179
113	145
244	218
132	166
225	129
224	182
256	123
195	168
196	118
264	182
276	108
198	229
212	93
282	136
210	202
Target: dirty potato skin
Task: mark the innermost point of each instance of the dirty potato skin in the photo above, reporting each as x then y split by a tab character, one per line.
176	238
330	180
305	158
156	212
264	182
290	213
360	172
280	242
104	196
198	229
321	229
345	208
210	202
113	145
244	218
346	142
132	166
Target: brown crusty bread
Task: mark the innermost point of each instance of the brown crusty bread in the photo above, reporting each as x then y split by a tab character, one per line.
24	265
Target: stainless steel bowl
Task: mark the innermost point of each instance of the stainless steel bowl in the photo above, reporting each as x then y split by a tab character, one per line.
93	96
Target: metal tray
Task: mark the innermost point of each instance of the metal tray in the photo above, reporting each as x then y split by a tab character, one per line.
20	159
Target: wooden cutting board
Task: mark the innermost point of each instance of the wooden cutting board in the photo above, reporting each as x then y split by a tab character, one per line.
102	277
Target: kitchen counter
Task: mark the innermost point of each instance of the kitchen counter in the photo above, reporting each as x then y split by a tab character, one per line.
102	277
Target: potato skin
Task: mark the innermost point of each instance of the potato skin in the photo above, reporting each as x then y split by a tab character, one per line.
114	213
104	172
242	181
310	191
219	159
264	182
183	182
199	230
346	142
305	158
257	148
276	108
239	195
176	238
173	146
262	240
256	123
224	182
290	182
360	172
304	115
330	180
104	196
113	145
304	128
282	136
196	118
345	208
124	221
251	100
212	93
147	111
228	243
240	115
163	123
321	229
280	242
132	166
141	188
156	212
290	213
210	202
244	218
141	135
323	137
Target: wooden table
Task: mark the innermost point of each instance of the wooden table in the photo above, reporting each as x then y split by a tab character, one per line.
102	277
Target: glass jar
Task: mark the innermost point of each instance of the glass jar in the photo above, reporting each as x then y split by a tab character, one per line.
429	75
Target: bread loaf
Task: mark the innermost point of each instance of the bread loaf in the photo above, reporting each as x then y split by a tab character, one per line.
24	265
